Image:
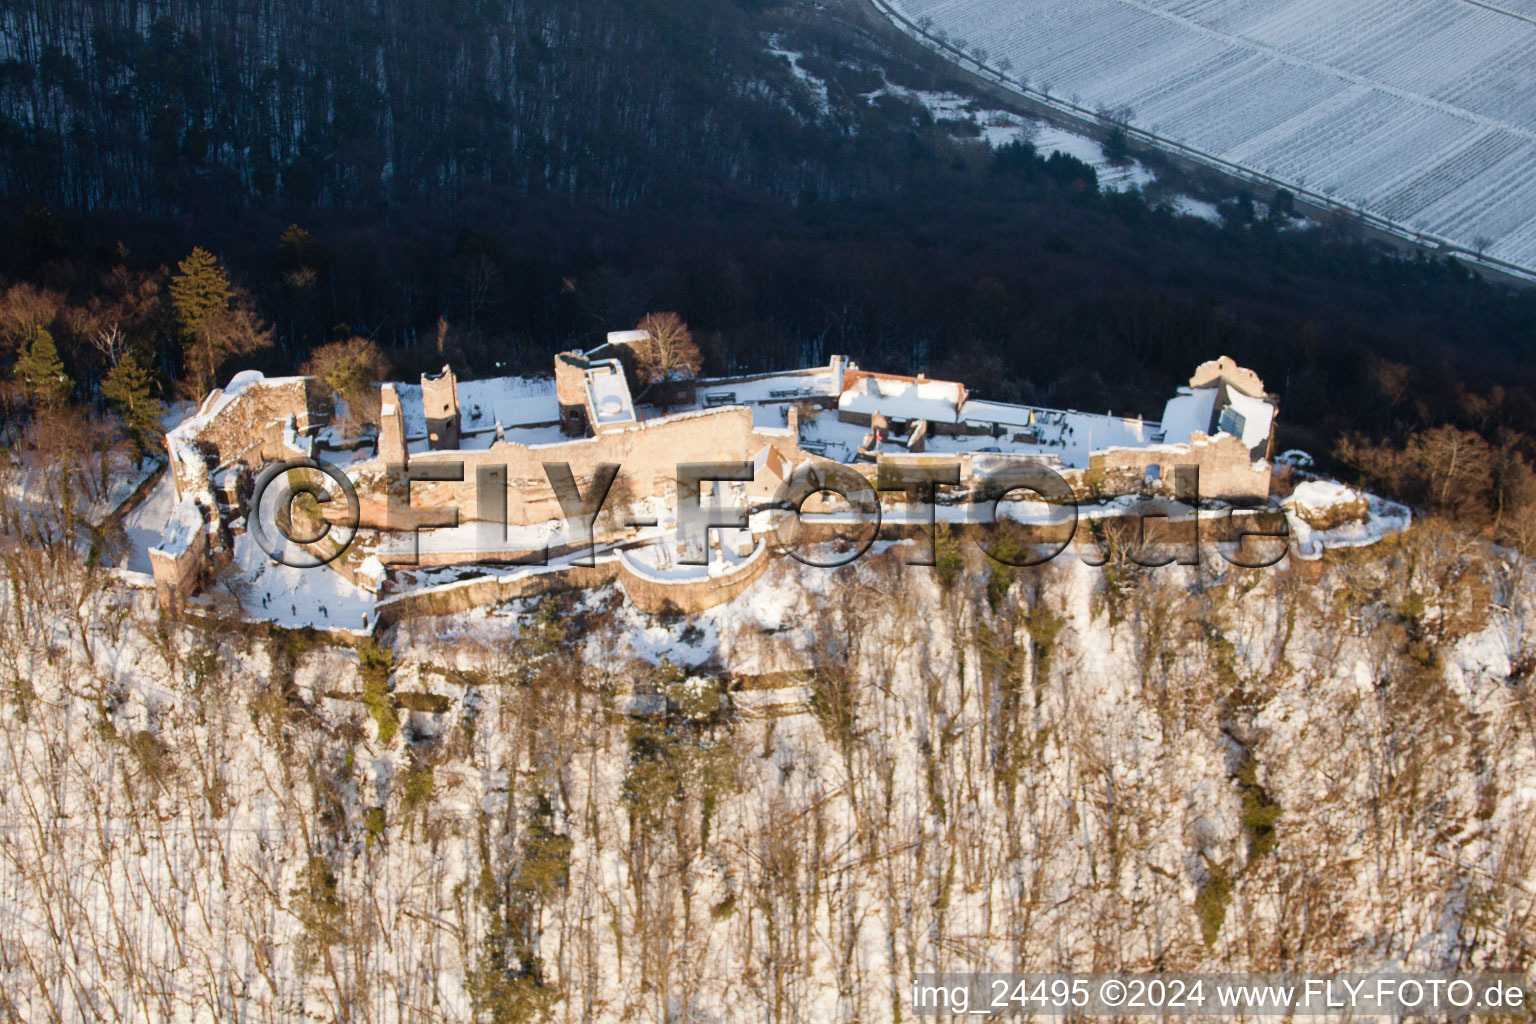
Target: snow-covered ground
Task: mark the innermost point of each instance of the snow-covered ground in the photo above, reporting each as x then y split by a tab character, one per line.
903	777
817	88
1191	207
1117	176
1000	127
661	559
144	524
1312	502
1422	112
33	486
1062	434
291	596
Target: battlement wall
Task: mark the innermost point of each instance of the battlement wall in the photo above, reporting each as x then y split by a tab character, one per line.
1227	470
249	426
648	455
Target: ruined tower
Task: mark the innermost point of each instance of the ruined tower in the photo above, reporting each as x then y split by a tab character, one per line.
440	402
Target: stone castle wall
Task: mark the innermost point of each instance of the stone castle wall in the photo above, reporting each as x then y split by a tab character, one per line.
250	427
1224	369
688	596
647	454
491	590
1227	470
440	405
177	576
391	445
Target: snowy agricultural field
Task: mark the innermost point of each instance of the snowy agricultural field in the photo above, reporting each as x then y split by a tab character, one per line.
1419	112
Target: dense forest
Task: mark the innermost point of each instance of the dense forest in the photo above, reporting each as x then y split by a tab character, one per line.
202	106
532	174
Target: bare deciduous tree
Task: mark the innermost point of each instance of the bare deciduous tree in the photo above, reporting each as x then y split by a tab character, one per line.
352	369
669	352
1451	459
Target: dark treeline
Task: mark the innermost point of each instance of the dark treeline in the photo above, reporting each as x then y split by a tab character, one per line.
197	105
1027	286
531	175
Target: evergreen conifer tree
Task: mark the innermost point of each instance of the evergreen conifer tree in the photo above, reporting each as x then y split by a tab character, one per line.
128	389
41	371
200	292
213	318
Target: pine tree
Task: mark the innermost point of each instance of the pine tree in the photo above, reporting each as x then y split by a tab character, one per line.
41	371
200	292
128	389
213	317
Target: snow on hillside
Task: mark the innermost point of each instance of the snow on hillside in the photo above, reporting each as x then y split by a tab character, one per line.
854	776
1118	176
816	87
99	483
1422	112
144	524
998	127
294	596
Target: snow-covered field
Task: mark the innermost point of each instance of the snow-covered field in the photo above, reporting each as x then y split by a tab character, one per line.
1422	112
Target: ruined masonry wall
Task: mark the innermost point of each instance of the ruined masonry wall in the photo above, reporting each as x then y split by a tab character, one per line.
177	576
1226	469
648	456
250	428
690	596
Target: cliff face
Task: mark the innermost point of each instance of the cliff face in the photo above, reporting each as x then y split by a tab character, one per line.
780	809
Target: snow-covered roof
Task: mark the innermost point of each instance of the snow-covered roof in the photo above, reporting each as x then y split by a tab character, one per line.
934	400
1192	410
998	412
1060	434
413	414
509	401
1256	414
769	388
1187	413
609	393
182	529
539	411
